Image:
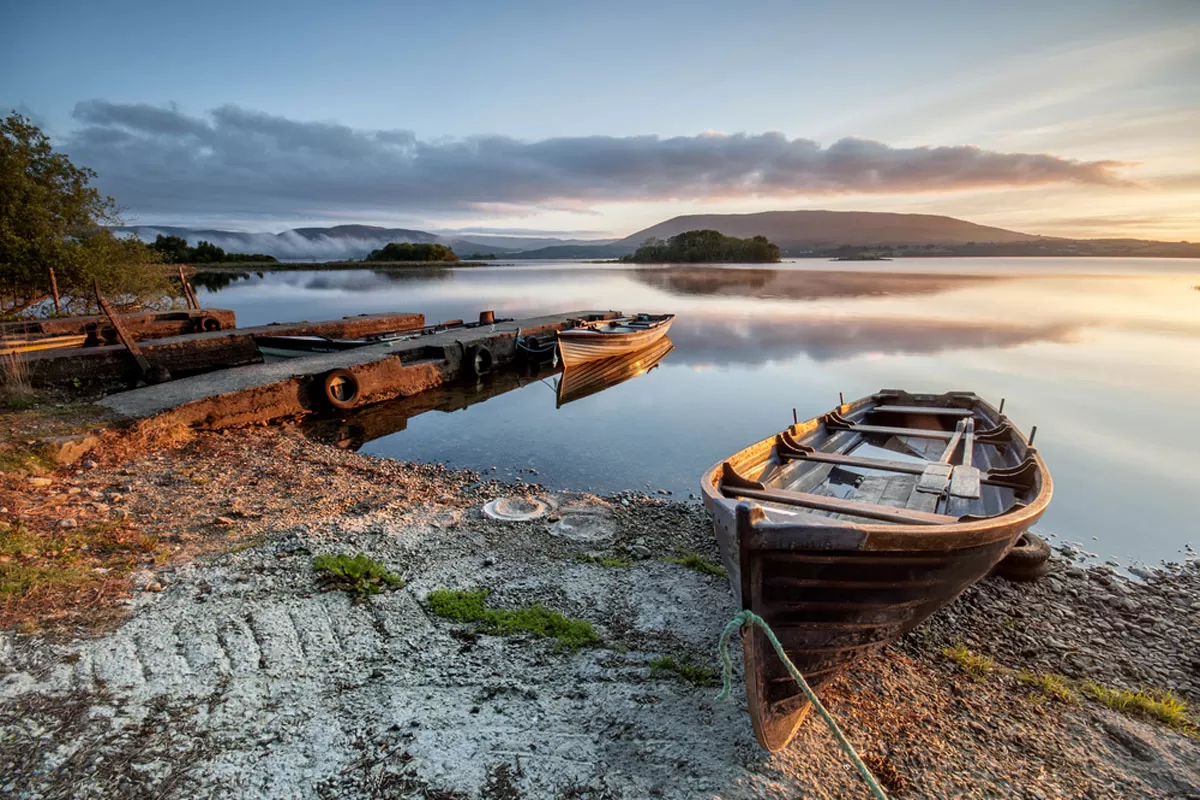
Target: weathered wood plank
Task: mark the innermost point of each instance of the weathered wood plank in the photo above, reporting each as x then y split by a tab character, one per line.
855	508
928	410
934	478
964	482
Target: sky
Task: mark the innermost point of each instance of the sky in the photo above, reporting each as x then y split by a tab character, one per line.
1076	118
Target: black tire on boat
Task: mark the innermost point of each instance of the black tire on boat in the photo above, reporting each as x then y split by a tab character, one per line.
340	388
478	360
210	323
1027	561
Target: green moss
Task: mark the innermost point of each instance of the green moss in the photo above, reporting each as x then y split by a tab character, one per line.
976	665
360	575
24	460
1164	706
694	674
697	562
604	561
471	606
1050	684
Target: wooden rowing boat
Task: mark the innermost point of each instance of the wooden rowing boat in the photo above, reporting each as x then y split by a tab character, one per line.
846	531
584	380
30	344
588	341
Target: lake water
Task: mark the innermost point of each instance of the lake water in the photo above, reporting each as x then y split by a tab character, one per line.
1102	355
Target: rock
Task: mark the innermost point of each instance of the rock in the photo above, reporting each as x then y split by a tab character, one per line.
69	522
639	551
68	449
154	586
224	521
140	579
38	480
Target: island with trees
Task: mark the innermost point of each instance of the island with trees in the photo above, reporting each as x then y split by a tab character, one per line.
709	247
175	250
412	251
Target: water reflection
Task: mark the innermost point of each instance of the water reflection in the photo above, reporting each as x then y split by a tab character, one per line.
800	284
711	341
583	380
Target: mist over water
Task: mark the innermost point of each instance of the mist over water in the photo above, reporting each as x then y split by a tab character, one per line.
1103	355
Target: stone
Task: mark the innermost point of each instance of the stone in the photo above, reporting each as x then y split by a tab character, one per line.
225	521
639	551
154	586
38	480
68	449
69	522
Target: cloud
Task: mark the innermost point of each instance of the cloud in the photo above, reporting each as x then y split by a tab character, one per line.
237	161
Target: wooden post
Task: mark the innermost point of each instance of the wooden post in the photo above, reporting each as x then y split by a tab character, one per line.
189	295
125	338
54	290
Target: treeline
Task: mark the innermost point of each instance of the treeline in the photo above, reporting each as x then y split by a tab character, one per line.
55	241
175	250
705	247
410	251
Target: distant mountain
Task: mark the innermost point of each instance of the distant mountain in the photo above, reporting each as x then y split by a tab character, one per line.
345	241
793	230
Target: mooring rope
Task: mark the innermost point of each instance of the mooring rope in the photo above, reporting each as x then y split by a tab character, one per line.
750	618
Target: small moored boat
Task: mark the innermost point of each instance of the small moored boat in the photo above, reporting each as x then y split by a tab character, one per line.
611	337
586	379
846	531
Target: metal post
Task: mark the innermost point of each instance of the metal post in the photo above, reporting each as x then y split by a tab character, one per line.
795	418
1001	405
841	399
1032	433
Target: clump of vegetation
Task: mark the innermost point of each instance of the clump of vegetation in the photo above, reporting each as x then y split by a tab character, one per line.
410	251
697	562
471	606
695	674
16	392
611	562
976	665
1050	684
1164	706
705	246
360	575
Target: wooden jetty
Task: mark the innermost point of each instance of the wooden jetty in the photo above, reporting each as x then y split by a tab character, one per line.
344	380
111	367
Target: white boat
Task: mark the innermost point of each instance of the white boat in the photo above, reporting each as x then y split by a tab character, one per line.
611	337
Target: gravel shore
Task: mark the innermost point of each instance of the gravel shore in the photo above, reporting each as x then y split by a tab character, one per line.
230	673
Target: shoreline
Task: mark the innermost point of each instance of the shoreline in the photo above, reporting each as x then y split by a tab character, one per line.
221	667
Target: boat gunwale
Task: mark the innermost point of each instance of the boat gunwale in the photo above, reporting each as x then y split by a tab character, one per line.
898	536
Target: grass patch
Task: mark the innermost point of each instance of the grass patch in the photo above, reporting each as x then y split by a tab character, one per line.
697	562
20	459
605	561
16	392
1051	685
695	674
360	575
249	544
974	664
62	573
471	606
1164	706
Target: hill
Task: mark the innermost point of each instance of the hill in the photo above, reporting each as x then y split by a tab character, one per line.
793	230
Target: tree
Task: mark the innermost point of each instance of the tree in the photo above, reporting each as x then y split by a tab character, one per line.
408	251
51	217
706	246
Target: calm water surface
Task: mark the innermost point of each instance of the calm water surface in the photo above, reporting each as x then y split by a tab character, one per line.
1103	355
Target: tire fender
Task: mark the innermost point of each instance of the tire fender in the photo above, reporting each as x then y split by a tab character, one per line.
340	389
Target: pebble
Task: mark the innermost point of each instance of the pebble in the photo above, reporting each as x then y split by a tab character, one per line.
38	480
224	521
69	522
639	551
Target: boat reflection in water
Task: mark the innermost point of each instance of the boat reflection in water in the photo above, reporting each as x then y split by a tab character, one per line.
353	429
581	380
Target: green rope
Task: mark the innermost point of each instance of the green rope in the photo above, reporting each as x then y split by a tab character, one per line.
750	618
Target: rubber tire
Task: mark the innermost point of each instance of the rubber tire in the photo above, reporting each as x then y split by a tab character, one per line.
478	360
210	324
1027	561
334	386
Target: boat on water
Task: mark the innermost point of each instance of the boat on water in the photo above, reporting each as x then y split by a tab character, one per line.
30	344
588	341
846	531
590	377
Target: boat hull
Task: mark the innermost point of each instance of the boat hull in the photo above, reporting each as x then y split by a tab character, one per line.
577	347
835	589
